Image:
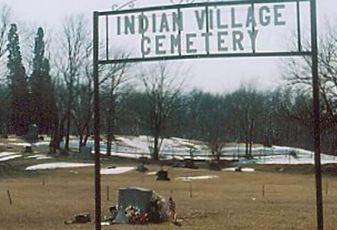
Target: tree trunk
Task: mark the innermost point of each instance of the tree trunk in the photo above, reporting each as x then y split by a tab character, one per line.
155	154
70	98
55	136
66	145
87	135
247	144
251	128
109	134
246	133
81	140
109	137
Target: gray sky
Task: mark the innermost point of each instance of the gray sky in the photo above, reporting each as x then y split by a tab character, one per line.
216	75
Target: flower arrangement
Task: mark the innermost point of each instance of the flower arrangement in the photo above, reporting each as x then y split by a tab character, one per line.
135	215
157	212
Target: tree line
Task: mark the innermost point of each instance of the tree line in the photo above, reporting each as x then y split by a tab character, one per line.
54	90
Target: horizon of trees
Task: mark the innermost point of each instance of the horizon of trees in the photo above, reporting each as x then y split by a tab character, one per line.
54	90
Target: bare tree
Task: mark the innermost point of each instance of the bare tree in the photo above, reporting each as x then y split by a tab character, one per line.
5	18
298	75
213	121
114	78
75	45
247	109
82	110
162	88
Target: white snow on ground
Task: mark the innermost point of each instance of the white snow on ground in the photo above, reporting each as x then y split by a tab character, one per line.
24	144
10	157
179	148
140	142
57	165
126	155
39	157
42	143
299	159
12	139
151	173
117	170
190	178
3	154
233	169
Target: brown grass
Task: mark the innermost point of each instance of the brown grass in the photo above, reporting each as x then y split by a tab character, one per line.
232	201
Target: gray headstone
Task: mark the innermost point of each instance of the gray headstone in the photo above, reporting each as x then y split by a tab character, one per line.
85	150
134	196
142	168
28	149
162	175
32	134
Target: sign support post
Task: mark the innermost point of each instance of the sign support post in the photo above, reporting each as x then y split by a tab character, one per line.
96	124
316	115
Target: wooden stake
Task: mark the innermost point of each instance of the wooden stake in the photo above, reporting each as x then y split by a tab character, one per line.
43	181
107	193
190	189
9	197
326	188
263	190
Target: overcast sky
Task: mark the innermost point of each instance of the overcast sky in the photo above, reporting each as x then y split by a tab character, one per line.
216	75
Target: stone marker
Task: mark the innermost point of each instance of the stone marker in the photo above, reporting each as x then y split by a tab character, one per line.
85	151
142	168
28	149
134	196
162	175
32	134
238	169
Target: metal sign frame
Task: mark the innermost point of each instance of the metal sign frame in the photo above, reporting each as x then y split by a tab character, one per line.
313	53
205	5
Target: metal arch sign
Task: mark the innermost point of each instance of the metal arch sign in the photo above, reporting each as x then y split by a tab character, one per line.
217	29
201	29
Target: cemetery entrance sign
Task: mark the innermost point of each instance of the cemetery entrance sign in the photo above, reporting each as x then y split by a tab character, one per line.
208	29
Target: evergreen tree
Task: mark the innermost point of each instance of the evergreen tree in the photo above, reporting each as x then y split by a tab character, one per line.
43	103
20	102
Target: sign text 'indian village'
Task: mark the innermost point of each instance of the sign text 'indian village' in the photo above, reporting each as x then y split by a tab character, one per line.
200	30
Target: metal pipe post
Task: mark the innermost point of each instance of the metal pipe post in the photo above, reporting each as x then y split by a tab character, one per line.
96	124
316	114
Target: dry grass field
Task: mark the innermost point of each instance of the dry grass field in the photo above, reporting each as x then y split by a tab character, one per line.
231	201
45	199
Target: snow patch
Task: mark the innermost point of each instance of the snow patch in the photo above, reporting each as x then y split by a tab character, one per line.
117	170
301	158
10	157
233	169
12	139
39	157
179	149
42	143
21	144
140	142
190	178
57	165
3	154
